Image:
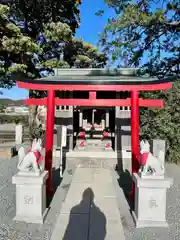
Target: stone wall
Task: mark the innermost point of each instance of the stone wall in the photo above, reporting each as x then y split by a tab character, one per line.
122	129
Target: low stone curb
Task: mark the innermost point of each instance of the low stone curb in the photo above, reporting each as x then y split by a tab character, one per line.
8	152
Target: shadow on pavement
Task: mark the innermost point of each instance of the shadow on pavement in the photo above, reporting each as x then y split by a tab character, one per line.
78	220
125	182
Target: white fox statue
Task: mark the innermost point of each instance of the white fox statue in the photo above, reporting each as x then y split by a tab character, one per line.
150	165
32	161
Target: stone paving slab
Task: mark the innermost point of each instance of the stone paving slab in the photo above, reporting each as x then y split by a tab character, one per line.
74	198
102	176
107	191
83	176
115	231
71	226
108	206
93	206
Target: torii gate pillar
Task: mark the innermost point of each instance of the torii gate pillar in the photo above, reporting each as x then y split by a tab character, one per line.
135	130
49	138
134	136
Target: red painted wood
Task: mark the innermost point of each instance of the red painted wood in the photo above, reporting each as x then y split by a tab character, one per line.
97	102
135	129
92	95
49	138
59	87
134	135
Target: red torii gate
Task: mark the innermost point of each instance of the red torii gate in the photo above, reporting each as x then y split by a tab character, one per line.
50	85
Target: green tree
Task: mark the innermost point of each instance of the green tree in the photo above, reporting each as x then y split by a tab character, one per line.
2	108
16	50
35	13
164	123
51	24
80	54
46	23
146	34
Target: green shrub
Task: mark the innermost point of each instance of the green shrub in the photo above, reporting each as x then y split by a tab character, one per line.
164	123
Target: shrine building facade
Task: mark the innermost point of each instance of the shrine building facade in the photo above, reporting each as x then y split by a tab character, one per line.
104	98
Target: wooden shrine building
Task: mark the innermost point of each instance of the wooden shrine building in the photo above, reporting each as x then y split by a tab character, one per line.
101	90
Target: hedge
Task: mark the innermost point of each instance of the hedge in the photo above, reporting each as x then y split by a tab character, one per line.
14	119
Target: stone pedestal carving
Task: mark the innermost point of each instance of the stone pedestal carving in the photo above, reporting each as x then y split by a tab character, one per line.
150	188
150	201
30	197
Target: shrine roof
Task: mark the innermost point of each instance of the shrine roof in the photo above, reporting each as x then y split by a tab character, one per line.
106	76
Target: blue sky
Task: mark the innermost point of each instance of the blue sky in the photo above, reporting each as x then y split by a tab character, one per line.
91	26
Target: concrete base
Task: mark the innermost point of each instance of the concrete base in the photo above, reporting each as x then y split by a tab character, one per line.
7	150
150	201
31	219
30	197
90	208
148	223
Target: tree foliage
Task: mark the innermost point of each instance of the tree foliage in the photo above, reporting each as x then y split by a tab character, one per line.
38	36
41	37
14	119
16	49
164	123
80	54
144	33
35	13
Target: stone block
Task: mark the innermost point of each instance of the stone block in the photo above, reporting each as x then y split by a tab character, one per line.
19	134
30	197
7	152
150	201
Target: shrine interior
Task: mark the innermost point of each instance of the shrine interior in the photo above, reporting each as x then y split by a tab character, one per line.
84	118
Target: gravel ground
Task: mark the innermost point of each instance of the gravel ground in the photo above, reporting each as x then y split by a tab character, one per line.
173	213
11	230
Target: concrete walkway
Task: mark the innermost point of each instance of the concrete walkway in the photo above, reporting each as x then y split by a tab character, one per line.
90	210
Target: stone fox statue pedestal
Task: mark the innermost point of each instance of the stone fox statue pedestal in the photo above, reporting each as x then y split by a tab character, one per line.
150	190
150	201
30	197
31	185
